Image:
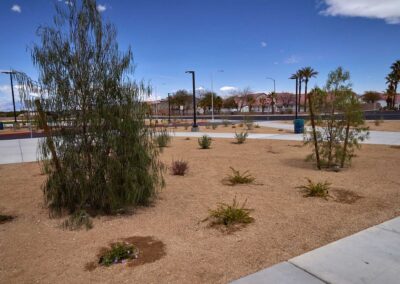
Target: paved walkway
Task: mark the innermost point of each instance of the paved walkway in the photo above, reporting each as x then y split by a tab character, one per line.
24	150
370	256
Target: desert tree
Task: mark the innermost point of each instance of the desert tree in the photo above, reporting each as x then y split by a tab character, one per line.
181	98
102	157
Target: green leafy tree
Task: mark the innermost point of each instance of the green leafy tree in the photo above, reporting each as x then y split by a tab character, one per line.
371	97
230	102
102	157
182	98
205	101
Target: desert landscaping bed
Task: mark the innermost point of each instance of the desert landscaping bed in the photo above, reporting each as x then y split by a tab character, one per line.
34	248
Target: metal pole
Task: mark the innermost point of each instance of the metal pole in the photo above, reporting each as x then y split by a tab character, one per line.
212	98
169	108
297	88
195	127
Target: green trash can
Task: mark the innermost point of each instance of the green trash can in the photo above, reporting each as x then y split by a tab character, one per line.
1	125
298	125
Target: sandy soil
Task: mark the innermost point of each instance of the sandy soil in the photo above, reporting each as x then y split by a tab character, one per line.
34	249
384	125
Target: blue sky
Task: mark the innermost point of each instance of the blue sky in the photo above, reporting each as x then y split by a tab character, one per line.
248	39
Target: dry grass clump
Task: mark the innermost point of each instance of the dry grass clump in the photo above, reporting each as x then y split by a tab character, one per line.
319	189
240	178
230	214
77	220
163	138
241	137
179	167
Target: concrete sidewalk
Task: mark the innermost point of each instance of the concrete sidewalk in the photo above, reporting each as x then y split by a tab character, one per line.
370	256
24	150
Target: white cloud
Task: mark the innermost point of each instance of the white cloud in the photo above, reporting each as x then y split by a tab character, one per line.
101	8
200	88
16	8
292	60
263	44
388	10
228	89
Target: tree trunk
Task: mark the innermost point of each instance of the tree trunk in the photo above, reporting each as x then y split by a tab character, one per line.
314	132
299	103
346	139
305	95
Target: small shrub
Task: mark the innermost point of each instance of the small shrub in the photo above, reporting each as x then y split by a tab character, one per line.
186	126
179	168
214	125
241	137
240	178
233	126
257	126
225	122
77	220
229	215
118	253
163	138
320	189
208	125
205	142
249	123
377	122
241	124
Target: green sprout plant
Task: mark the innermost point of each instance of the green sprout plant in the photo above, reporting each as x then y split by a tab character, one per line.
318	189
240	178
205	142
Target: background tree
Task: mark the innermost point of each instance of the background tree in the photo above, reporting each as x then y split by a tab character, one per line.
264	101
250	101
286	99
273	97
307	73
181	98
205	101
104	157
230	102
371	97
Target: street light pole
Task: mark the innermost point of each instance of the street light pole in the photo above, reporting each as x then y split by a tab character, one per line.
169	108
195	127
12	92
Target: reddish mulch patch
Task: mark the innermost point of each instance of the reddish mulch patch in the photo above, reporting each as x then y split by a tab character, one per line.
150	250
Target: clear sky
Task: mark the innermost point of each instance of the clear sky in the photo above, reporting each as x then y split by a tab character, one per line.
248	39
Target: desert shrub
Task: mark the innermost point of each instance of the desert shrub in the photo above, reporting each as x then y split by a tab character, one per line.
208	125
163	138
240	178
241	124
233	126
186	126
179	167
118	253
229	215
225	122
77	220
319	189
248	123
205	142
214	125
256	126
378	122
241	137
103	155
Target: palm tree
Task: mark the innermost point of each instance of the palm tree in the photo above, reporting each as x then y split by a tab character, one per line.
296	77
392	82
396	76
300	78
307	73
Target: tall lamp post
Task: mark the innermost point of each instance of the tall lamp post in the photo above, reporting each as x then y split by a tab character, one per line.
212	95
295	77
195	127
273	103
169	108
12	91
